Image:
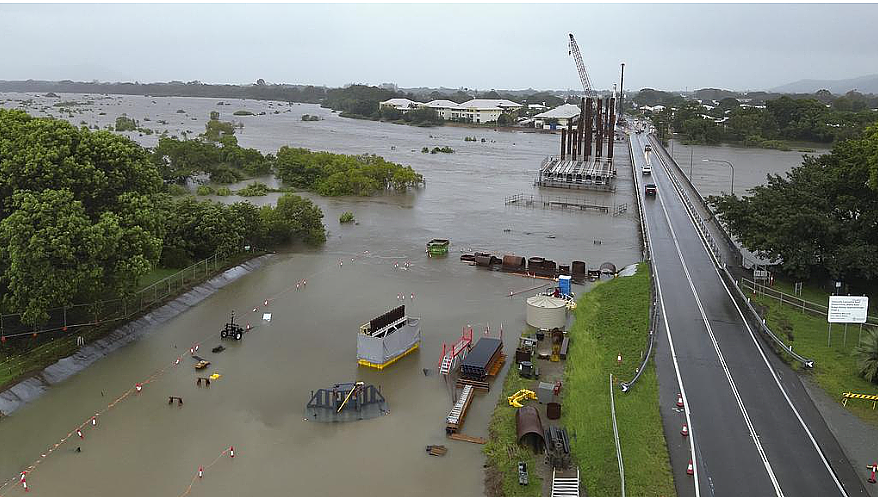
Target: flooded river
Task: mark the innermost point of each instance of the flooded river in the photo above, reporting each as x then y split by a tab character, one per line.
751	165
144	447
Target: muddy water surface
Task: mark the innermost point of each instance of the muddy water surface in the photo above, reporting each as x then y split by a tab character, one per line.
144	447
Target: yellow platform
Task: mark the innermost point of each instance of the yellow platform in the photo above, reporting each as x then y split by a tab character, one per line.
363	362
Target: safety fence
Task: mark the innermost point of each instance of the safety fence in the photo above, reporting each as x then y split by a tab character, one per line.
752	316
72	326
792	300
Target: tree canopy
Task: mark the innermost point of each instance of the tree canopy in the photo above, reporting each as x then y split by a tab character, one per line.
84	214
821	219
337	174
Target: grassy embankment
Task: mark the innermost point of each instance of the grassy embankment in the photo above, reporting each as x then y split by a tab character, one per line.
835	367
610	319
19	362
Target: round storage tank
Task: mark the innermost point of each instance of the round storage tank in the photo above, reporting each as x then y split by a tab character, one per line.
545	312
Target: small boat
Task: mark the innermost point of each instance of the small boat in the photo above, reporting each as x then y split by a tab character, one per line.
202	364
438	246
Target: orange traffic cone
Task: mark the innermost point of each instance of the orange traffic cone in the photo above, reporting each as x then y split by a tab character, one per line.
874	468
685	430
689	469
680	400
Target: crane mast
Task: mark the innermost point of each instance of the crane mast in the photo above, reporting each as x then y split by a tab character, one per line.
573	50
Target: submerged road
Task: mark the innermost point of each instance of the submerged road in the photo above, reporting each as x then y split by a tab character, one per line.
754	431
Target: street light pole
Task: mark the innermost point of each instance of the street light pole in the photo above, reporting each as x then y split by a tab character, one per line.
730	166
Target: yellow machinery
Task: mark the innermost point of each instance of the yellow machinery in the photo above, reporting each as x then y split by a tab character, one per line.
357	385
516	398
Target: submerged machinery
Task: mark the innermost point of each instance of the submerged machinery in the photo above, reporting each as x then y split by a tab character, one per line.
346	402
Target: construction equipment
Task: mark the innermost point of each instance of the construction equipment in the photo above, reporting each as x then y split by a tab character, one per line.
516	398
357	385
232	330
526	369
573	49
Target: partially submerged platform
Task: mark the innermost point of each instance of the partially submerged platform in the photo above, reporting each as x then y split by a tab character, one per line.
346	402
594	173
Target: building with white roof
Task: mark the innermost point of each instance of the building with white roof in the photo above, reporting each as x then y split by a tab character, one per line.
562	115
478	110
401	104
444	108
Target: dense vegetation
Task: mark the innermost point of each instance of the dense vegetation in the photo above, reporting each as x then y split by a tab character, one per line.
284	93
821	220
819	118
85	214
337	174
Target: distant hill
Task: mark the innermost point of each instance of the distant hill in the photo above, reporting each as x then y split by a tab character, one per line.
863	84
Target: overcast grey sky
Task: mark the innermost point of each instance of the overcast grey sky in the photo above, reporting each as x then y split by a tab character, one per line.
457	45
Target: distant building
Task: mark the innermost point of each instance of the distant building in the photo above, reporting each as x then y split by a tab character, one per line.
560	116
476	111
401	104
446	109
537	107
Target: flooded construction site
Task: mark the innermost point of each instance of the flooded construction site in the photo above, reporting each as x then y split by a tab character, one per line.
305	352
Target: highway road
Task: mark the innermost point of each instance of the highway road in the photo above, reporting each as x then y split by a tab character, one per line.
754	431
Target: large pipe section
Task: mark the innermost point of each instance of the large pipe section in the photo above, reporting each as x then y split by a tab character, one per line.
599	138
622	92
563	143
588	120
611	128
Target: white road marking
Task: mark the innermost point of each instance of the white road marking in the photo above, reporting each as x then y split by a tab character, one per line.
766	361
658	288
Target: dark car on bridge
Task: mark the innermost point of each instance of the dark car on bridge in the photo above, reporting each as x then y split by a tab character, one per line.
650	189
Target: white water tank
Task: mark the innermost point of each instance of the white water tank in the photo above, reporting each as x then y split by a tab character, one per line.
545	312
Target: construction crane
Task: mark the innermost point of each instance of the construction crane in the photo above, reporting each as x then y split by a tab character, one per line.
573	49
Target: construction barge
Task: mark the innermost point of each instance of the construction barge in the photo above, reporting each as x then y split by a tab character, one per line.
388	338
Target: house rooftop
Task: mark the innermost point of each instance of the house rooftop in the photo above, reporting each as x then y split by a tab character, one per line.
565	111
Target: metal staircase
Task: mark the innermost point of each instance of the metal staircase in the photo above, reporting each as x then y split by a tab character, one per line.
457	410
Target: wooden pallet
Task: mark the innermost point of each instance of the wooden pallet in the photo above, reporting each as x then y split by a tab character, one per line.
497	365
436	450
467	438
478	385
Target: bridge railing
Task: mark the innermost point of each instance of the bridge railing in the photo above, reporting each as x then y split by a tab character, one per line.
700	226
645	257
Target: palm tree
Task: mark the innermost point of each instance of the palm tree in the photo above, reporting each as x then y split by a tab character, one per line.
868	352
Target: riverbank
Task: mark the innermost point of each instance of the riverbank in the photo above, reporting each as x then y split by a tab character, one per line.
610	320
24	366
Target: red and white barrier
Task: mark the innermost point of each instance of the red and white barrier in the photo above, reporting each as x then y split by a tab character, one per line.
200	471
79	434
690	470
680	400
138	387
685	430
231	451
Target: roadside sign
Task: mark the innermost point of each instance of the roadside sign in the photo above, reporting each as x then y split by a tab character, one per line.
760	274
844	309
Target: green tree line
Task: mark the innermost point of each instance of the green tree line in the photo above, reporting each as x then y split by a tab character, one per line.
85	214
820	220
782	119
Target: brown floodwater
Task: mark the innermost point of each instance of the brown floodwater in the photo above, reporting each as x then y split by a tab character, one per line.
144	447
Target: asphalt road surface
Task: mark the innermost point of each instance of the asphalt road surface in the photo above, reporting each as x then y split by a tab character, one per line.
754	430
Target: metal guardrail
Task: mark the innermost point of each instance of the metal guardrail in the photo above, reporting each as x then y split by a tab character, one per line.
760	323
645	254
653	321
704	233
616	437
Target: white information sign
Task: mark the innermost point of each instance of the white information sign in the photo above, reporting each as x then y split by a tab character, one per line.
847	309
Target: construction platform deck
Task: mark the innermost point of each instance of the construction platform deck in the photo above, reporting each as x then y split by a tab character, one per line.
594	173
